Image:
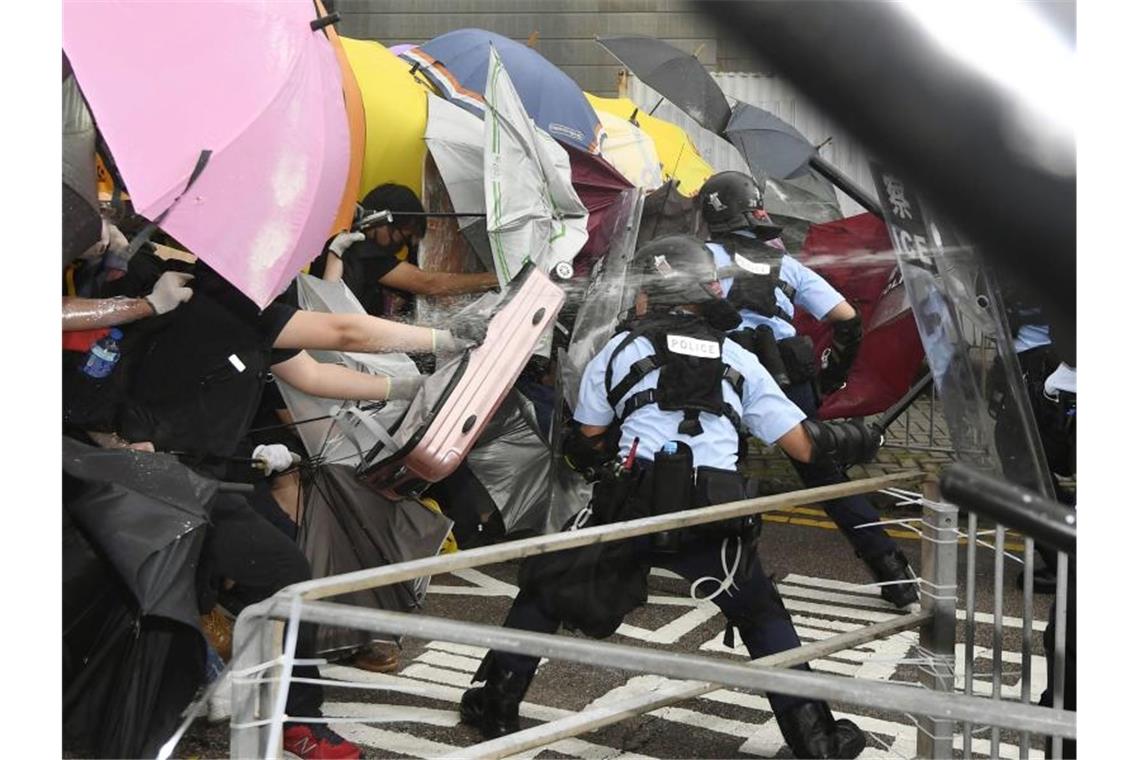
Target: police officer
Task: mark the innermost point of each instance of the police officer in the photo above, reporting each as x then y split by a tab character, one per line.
659	415
766	284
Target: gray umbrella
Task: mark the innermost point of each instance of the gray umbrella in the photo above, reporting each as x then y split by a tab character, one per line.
82	225
346	526
675	74
771	146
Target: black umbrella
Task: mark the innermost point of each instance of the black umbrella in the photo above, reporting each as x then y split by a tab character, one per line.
347	526
771	146
134	655
775	149
82	226
675	74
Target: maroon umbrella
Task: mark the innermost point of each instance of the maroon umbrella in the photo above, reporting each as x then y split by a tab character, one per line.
855	255
599	186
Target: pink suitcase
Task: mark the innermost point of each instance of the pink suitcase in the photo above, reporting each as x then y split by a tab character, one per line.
451	411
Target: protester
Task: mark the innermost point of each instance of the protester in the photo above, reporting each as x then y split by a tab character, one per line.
766	285
670	378
368	261
191	385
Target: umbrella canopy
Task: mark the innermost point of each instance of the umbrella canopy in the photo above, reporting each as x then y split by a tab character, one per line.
456	63
395	111
675	74
855	256
455	138
354	109
402	48
138	655
600	187
243	156
631	152
679	158
533	212
771	146
346	526
82	225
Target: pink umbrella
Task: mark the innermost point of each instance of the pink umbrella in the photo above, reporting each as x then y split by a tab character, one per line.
402	47
253	84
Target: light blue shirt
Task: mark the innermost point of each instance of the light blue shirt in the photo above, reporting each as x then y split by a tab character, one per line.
764	410
812	292
1030	337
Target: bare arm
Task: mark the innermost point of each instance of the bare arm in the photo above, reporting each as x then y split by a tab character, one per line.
796	443
91	313
842	312
306	374
353	332
334	268
412	279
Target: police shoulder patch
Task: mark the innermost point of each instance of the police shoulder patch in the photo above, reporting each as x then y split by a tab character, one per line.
688	346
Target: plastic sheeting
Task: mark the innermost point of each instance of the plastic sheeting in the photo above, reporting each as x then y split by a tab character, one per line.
445	247
962	324
533	212
346	526
342	431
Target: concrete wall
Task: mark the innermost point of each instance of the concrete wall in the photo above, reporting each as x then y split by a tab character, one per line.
566	29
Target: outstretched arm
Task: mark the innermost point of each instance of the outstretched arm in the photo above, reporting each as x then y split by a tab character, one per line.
306	374
412	279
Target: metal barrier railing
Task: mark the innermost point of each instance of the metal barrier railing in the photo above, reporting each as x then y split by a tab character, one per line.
263	629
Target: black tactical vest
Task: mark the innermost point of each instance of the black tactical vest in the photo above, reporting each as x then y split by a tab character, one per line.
689	354
756	276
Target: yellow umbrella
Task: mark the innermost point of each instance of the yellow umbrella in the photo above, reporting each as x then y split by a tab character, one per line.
680	159
395	116
630	151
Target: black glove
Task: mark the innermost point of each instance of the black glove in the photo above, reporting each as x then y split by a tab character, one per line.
837	359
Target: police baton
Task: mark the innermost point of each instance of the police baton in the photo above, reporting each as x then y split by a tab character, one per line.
894	412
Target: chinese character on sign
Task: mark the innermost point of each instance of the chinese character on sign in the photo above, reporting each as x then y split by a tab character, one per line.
897	194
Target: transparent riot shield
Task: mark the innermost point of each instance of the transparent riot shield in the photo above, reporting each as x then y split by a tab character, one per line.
964	331
606	299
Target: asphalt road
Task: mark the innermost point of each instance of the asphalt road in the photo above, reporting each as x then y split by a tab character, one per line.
821	581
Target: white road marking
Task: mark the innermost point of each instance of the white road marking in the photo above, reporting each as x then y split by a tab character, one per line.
820	608
463	649
447	660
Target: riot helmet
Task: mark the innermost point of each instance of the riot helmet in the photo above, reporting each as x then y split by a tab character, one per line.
733	201
677	270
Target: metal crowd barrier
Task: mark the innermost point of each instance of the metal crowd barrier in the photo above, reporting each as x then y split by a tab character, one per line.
265	638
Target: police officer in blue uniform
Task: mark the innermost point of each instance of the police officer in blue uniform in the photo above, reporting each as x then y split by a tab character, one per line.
659	416
766	284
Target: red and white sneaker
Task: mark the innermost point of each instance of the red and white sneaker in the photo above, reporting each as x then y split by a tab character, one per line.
316	741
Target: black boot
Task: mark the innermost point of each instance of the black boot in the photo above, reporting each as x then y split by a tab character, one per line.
893	566
811	731
494	707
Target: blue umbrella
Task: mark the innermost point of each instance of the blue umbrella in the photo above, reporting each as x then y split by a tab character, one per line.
456	63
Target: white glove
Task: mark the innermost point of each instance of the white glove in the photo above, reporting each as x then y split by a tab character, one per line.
343	241
116	241
404	388
276	456
170	290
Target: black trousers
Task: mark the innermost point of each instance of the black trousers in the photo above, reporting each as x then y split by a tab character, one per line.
850	511
754	607
244	547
